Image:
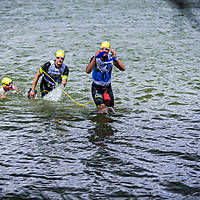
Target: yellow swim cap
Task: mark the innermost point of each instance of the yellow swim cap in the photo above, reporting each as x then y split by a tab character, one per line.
60	53
5	81
105	44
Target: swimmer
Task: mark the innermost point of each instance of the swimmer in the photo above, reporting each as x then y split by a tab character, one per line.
101	67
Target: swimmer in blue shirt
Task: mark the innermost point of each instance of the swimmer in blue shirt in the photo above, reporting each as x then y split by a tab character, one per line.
101	67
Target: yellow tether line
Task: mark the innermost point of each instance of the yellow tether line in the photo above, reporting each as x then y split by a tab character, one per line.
66	92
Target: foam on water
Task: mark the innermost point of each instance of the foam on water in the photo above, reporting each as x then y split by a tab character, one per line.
54	95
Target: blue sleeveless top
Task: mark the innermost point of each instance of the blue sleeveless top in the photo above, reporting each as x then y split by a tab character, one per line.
101	73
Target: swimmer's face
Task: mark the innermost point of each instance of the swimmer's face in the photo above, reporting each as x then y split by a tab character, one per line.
106	50
59	61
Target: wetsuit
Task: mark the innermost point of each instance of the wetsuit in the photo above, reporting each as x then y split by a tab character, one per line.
3	91
101	75
47	84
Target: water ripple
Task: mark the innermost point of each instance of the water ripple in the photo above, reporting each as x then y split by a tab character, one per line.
54	149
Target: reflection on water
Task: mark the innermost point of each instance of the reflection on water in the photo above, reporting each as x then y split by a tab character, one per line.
188	8
102	130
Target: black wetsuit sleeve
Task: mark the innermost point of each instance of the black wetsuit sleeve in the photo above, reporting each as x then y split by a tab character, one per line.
91	59
66	72
46	66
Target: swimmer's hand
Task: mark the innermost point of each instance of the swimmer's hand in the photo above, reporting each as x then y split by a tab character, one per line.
32	93
101	54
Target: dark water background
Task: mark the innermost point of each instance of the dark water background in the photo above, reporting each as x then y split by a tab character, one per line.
149	148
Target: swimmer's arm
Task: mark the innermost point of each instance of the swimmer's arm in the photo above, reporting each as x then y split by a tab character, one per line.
64	81
35	80
65	76
119	64
91	65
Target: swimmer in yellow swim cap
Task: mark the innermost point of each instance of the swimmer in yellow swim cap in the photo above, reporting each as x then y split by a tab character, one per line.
101	67
7	85
54	69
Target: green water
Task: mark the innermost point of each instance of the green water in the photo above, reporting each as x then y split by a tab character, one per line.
147	149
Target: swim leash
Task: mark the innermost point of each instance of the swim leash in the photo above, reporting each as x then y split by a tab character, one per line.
66	92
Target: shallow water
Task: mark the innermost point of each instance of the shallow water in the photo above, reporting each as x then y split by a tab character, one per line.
55	149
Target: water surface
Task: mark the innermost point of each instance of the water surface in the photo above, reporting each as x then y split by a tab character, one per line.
55	149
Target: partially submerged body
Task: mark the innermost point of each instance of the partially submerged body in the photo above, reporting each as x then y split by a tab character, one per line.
7	85
101	67
54	72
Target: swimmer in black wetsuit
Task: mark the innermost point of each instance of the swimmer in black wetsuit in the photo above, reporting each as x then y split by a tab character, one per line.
55	69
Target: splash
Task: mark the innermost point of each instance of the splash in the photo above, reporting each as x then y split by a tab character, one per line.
54	95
